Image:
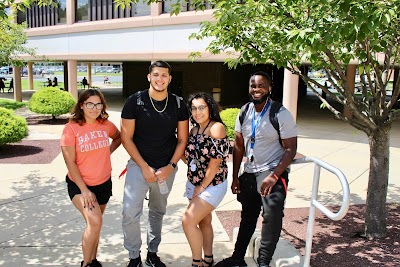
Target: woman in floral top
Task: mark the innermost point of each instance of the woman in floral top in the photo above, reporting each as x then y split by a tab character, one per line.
205	155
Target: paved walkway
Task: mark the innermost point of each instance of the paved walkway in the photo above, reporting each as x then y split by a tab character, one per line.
40	227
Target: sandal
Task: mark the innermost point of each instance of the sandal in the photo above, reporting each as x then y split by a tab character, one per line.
208	263
87	265
196	265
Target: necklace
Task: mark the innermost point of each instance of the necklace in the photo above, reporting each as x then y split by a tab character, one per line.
198	132
159	111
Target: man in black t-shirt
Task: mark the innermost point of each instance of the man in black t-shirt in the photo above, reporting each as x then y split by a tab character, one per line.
154	132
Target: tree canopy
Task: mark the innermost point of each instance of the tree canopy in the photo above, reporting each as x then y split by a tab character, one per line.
12	40
12	35
327	34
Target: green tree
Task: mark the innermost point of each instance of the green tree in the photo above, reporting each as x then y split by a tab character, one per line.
329	34
12	35
12	41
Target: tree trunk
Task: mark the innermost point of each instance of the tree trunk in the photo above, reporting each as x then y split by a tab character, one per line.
376	213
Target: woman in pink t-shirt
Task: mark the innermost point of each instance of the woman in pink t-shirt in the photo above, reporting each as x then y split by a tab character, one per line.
85	144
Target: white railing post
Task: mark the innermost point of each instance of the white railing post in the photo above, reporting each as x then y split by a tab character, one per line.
315	204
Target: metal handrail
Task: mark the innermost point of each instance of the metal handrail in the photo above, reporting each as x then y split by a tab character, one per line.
315	204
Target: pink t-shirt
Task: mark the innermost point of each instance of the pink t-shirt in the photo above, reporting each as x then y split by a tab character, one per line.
92	148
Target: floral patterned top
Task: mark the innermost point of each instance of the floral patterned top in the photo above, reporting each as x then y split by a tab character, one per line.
200	153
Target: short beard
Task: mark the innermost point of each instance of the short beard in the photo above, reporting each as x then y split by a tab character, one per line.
159	91
259	101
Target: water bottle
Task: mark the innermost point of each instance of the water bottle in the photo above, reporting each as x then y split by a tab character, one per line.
163	187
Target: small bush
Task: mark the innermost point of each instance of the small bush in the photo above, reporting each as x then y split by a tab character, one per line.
10	104
52	101
228	116
13	128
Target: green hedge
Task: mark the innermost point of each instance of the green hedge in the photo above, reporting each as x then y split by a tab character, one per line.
52	101
11	104
13	128
228	116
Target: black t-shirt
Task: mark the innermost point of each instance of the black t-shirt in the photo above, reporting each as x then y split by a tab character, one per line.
155	133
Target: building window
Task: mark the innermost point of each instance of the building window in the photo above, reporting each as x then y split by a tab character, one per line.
21	17
42	16
86	10
62	12
106	9
82	10
185	6
142	9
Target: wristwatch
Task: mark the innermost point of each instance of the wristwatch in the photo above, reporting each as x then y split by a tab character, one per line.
173	165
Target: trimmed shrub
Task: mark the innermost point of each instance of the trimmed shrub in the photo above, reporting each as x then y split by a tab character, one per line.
228	116
13	128
52	101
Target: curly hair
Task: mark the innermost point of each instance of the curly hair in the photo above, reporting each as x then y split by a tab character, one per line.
77	112
213	106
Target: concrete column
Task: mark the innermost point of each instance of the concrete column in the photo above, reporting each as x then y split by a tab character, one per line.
395	77
65	67
155	9
290	92
89	74
73	78
351	80
70	10
17	84
31	85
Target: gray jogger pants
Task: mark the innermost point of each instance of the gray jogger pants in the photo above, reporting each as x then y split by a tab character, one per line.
135	191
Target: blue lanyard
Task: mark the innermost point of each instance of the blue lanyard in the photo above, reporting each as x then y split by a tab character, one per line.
254	123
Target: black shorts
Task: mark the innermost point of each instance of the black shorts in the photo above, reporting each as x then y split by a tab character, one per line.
102	191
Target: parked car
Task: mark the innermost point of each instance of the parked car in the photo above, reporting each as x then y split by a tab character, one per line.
5	70
24	71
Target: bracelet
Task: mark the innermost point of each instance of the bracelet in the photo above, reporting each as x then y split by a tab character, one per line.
276	176
202	186
173	165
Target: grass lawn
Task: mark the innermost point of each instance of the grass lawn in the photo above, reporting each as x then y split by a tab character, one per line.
100	74
10	104
38	84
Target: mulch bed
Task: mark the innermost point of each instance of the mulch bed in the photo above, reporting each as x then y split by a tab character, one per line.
33	151
38	119
45	120
30	152
336	243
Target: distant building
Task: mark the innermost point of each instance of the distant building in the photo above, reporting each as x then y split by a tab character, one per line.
94	32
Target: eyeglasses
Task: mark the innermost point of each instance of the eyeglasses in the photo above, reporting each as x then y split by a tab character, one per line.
90	105
199	108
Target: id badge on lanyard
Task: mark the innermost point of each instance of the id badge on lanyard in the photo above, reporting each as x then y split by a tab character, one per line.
254	125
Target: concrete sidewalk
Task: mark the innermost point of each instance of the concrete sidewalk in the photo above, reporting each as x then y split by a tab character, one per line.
40	227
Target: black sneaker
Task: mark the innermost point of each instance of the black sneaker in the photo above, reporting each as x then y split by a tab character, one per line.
262	264
231	262
153	260
96	263
135	262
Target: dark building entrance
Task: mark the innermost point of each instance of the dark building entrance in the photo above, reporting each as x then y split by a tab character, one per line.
190	77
